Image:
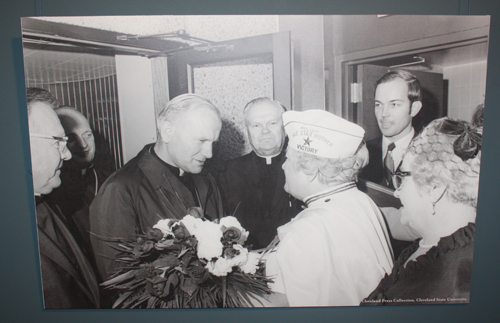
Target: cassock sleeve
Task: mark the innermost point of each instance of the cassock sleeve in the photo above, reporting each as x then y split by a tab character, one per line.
112	215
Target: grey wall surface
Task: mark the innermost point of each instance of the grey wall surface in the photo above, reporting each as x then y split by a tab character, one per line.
20	289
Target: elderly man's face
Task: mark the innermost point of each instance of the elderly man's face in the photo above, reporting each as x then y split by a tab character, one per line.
47	155
193	135
392	109
80	137
296	181
265	128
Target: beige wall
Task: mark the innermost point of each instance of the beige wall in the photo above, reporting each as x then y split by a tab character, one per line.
136	99
467	89
308	60
359	39
362	32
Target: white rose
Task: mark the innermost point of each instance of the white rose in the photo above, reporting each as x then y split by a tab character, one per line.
241	258
220	267
191	223
209	237
252	263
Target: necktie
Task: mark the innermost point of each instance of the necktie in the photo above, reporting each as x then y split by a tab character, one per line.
389	164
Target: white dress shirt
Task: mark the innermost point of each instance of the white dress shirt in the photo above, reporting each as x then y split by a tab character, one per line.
401	146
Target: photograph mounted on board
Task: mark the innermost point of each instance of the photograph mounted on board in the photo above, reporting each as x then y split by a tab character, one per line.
255	161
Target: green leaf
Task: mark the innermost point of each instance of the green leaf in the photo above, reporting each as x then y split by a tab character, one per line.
224	290
119	278
164	244
170	285
166	261
189	286
120	299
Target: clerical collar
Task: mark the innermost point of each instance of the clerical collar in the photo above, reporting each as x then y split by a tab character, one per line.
174	170
269	159
84	170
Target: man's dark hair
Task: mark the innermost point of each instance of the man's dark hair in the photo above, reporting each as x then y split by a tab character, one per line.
34	94
414	91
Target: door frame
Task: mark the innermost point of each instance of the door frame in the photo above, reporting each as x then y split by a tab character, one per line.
182	64
341	63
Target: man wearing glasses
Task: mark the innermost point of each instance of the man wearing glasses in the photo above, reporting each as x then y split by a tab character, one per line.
67	277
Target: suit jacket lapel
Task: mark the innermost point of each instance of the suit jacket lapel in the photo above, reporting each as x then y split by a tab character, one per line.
396	168
53	251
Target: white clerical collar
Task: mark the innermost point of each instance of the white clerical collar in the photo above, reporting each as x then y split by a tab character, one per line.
269	159
329	191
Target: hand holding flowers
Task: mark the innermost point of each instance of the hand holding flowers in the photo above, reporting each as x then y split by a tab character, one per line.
189	263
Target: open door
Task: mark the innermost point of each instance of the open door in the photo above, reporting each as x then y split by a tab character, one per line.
362	97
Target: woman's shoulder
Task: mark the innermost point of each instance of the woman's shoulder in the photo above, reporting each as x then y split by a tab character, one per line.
312	215
314	220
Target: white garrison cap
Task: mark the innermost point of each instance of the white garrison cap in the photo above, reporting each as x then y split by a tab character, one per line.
322	133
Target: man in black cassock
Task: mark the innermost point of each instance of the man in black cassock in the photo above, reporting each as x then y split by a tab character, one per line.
253	184
162	182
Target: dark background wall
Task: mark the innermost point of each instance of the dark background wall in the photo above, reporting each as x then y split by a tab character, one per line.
20	290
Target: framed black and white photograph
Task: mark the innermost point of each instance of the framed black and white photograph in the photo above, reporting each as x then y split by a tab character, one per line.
233	161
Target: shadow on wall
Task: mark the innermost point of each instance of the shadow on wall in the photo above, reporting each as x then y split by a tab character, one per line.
231	145
431	110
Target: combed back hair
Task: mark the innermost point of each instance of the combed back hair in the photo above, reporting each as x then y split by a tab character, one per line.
182	104
448	153
414	91
261	100
330	171
35	94
66	109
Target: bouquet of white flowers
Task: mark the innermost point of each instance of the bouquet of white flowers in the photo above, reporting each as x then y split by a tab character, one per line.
189	263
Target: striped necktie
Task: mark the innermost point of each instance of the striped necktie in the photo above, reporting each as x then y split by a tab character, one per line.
389	164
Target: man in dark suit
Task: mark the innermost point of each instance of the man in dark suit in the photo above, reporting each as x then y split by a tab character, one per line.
253	184
68	279
81	177
398	99
162	182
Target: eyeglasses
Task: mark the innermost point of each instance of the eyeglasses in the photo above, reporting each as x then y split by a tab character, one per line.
398	177
61	141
